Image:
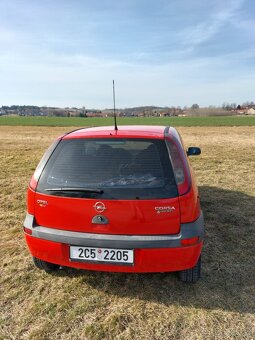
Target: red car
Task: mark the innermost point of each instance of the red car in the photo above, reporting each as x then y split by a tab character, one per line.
116	200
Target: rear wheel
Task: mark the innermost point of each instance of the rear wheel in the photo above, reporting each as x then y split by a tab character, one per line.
191	275
47	266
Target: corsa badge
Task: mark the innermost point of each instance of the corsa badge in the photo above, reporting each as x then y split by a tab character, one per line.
166	209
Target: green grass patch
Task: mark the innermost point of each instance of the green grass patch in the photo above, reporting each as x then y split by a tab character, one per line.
172	121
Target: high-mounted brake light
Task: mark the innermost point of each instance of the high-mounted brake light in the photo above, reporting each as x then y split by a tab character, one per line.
180	167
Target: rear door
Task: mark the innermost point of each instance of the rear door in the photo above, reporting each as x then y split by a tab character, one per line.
130	188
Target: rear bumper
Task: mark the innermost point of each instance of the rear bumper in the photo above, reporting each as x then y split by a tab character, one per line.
188	230
152	253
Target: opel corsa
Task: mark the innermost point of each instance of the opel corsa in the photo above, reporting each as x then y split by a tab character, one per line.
120	200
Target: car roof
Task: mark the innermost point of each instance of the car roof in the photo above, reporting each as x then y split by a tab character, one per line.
124	131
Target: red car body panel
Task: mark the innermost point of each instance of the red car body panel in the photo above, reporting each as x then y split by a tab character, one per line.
190	205
126	217
131	131
30	201
146	260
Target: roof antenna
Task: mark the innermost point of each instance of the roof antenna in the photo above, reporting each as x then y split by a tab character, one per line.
114	113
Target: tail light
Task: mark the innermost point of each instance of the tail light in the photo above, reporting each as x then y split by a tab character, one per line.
180	167
38	171
35	177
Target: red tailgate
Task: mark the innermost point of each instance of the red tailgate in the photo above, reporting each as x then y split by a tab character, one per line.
138	217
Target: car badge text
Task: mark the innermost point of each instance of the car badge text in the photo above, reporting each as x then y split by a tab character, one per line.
42	203
167	209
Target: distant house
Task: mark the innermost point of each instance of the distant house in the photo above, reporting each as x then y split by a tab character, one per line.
250	111
75	113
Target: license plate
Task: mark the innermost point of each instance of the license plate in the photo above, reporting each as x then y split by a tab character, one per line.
102	254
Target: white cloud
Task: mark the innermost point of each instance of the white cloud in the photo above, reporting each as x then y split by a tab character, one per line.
205	30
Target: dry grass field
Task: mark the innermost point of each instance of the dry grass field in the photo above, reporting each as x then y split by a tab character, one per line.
75	304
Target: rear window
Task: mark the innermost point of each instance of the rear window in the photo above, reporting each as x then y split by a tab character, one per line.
120	168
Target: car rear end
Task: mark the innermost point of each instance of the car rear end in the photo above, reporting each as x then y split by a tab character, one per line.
121	201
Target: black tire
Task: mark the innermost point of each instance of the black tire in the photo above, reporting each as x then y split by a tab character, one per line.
191	275
47	266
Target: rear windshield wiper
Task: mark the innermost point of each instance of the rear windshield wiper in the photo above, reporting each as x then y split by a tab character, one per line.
76	189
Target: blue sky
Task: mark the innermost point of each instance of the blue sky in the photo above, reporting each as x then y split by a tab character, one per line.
160	52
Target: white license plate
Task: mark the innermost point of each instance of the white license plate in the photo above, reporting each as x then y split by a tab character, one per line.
102	254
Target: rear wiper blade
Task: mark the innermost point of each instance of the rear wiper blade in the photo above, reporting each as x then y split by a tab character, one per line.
76	189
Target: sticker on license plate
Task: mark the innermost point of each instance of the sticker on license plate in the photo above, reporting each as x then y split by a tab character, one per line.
102	254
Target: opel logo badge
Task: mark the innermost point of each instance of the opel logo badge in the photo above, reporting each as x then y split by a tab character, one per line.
99	207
